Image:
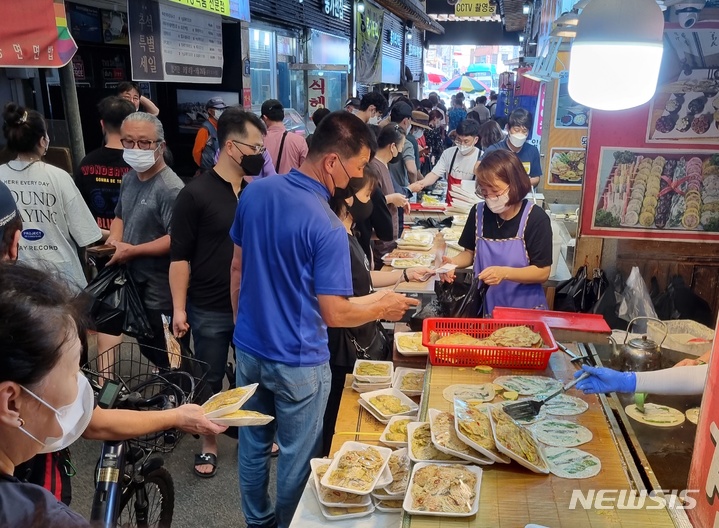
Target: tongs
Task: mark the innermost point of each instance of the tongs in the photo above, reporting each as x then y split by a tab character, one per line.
529	409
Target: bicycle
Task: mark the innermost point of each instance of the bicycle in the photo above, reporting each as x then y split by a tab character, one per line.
132	488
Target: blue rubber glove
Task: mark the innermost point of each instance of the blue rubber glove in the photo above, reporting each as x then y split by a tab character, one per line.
605	380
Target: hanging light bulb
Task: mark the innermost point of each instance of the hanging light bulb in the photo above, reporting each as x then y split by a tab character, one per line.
360	6
521	38
409	34
526	8
618	44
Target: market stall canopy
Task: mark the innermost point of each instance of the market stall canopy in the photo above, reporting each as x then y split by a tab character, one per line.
412	10
464	84
34	34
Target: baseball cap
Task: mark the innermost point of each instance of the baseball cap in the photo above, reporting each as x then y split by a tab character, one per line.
8	207
273	109
352	101
216	102
400	111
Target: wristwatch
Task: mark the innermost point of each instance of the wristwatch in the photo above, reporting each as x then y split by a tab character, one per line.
404	274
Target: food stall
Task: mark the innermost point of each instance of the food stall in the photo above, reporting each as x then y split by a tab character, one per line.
624	465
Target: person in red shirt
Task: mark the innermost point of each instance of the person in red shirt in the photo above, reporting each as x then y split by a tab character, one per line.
206	144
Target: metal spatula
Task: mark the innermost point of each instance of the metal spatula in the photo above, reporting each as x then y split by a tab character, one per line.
528	409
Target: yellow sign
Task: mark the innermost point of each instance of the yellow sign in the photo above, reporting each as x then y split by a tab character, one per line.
473	8
237	9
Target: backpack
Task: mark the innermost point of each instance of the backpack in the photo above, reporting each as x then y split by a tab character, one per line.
211	147
52	471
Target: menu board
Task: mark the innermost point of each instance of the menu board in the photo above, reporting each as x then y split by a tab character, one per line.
174	43
641	191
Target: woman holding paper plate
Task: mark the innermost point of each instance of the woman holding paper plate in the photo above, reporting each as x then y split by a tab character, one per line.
507	238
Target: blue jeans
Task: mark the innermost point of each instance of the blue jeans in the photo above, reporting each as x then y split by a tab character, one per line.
212	334
296	397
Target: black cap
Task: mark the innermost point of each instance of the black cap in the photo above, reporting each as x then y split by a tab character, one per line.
216	102
353	102
273	110
400	111
8	207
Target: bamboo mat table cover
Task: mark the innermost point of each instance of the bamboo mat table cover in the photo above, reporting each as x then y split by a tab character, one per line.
512	496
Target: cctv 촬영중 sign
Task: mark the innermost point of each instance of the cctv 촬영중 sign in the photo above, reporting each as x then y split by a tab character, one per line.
473	8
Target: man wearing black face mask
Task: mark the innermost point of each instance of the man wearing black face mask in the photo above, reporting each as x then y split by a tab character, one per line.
201	252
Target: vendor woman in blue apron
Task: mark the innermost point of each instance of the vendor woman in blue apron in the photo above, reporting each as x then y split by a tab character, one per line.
507	238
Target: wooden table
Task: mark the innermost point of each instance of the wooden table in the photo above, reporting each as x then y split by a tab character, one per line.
512	496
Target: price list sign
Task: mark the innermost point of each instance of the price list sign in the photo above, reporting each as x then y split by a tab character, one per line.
174	44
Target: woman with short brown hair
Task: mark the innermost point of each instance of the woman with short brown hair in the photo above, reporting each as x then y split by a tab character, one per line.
507	238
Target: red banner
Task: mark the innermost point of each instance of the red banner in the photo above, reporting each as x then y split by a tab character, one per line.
704	473
34	34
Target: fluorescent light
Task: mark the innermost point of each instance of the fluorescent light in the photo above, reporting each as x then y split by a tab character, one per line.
616	55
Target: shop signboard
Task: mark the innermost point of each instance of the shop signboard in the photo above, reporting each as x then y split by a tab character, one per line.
473	8
174	44
704	472
316	91
237	9
370	26
42	40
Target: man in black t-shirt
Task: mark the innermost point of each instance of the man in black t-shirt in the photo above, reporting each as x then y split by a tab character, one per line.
201	252
100	172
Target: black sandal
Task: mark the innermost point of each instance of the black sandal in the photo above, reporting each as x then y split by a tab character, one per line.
203	460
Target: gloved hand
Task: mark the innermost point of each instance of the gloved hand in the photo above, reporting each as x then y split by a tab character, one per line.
605	380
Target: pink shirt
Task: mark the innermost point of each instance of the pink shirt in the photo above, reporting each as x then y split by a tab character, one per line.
293	153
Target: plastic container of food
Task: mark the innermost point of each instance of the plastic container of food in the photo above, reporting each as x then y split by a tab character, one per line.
366	488
230	420
399	375
247	392
394	419
367	407
385	366
409	498
403	400
503	448
315	464
433	414
411	428
421	350
497	457
333	513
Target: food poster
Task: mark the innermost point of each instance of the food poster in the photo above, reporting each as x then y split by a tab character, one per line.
644	191
565	143
685	108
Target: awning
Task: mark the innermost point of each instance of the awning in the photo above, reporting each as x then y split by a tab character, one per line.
34	34
414	11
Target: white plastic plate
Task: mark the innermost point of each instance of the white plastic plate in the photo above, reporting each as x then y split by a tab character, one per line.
407	351
379	504
412	407
385	453
407	505
433	413
235	406
391	443
326	511
369	387
511	454
373	379
245	421
411	428
471	443
316	463
367	407
400	373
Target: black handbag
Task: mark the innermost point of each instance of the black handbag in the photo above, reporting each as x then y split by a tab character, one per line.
373	345
117	307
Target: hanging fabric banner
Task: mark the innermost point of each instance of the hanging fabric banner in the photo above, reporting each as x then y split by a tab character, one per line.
39	40
369	45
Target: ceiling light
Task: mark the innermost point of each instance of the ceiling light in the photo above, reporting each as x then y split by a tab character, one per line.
618	44
526	8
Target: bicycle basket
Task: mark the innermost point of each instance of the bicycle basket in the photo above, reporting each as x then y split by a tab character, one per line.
128	365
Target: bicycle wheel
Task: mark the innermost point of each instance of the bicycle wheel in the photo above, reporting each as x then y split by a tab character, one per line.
160	492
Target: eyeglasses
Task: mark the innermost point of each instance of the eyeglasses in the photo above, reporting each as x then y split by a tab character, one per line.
257	149
143	144
486	195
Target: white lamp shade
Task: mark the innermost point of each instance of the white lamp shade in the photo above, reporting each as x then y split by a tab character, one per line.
616	55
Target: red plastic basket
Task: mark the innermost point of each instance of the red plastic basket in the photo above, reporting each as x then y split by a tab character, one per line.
468	355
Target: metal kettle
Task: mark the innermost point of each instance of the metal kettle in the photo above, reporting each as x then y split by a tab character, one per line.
639	354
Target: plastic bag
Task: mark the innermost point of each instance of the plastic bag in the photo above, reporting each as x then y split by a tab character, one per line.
461	298
117	307
636	301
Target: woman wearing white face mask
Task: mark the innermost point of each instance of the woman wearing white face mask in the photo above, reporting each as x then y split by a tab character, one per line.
45	402
56	220
507	238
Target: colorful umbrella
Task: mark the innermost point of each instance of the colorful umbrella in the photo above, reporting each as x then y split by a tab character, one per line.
465	84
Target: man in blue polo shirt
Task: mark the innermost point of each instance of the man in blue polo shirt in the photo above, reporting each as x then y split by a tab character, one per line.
290	280
520	123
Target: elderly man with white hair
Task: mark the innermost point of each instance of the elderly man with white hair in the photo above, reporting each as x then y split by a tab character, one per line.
141	230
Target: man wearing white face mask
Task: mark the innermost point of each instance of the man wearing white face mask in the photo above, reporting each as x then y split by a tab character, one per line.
372	107
206	144
140	231
519	125
456	163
